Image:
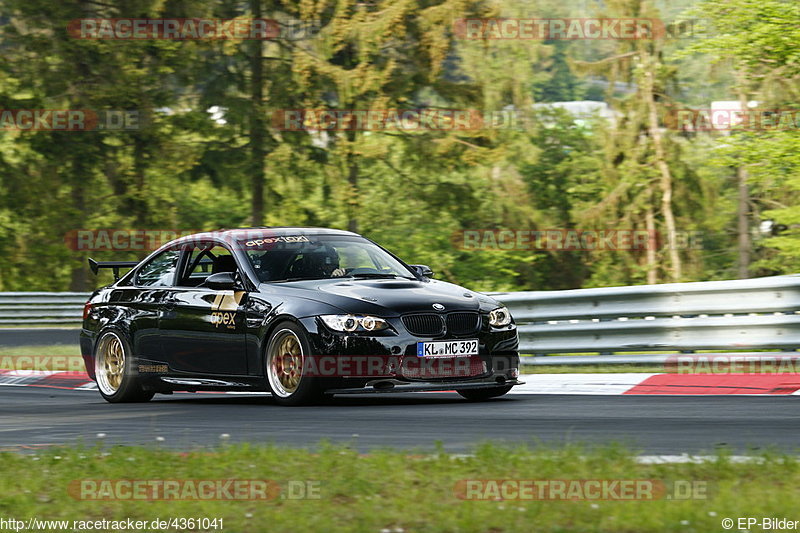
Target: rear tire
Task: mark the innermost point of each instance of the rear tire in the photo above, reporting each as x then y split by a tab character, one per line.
284	360
480	395
115	374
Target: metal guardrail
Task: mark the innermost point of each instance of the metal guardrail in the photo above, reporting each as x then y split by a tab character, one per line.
754	314
33	308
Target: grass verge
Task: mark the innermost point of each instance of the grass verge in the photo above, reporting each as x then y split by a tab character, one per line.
46	350
397	492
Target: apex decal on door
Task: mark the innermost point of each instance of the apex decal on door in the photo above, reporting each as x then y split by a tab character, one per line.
225	305
224	317
227	301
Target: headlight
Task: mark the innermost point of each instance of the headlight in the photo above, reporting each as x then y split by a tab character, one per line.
354	323
499	317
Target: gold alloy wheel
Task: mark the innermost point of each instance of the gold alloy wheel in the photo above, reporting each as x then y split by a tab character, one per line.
285	363
110	364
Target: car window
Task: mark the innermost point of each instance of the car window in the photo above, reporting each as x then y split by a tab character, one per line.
284	258
354	257
204	260
159	271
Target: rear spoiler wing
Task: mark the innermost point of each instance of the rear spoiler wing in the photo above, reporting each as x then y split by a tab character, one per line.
115	265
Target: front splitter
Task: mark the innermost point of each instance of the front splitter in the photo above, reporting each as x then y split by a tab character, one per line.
402	386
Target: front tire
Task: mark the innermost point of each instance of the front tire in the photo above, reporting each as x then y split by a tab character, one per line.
480	395
114	370
285	361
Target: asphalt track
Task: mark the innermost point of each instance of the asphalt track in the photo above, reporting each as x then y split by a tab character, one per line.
13	337
32	417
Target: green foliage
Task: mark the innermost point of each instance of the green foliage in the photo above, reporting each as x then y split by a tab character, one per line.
185	168
759	39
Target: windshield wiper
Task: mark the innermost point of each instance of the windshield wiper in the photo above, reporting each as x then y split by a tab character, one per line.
295	279
368	275
377	275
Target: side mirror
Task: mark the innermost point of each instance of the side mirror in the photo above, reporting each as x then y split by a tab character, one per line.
220	281
423	270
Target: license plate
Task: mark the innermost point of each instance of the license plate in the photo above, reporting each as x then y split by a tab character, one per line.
462	348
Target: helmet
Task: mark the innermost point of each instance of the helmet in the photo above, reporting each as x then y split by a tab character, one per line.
315	262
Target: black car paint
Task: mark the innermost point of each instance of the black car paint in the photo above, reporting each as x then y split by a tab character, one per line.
170	326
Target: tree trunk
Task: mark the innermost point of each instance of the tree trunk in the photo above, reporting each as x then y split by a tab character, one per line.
79	172
743	207
79	275
138	204
352	182
743	219
666	176
652	264
257	125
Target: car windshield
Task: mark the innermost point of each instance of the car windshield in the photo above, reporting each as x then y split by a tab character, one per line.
303	257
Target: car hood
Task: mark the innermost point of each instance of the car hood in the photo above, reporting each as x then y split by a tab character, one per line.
387	297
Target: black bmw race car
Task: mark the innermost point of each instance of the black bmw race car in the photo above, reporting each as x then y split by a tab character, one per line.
298	312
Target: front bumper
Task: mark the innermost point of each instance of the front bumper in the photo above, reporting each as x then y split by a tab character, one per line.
497	353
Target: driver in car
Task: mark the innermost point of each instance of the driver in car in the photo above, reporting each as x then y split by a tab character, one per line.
320	263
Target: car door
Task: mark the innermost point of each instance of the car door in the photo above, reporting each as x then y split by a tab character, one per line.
139	303
202	329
